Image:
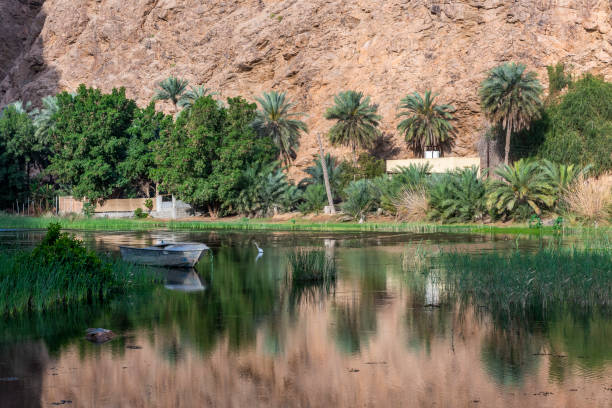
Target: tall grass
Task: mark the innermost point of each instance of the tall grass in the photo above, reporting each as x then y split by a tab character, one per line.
524	282
311	266
412	204
589	198
27	284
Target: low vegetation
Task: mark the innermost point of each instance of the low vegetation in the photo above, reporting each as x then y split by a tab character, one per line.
60	271
523	282
311	266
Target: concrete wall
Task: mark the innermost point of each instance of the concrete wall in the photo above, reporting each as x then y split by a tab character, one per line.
69	204
439	165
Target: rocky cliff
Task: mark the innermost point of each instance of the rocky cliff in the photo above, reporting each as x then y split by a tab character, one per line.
310	48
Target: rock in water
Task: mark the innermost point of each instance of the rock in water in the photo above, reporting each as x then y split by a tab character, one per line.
99	335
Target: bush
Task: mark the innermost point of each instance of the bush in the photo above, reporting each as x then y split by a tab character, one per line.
149	204
392	188
315	198
138	213
589	199
361	197
577	129
457	196
60	271
412	204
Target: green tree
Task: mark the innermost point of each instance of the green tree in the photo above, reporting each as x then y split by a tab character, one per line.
90	140
356	121
171	89
18	153
557	79
578	129
427	124
275	120
194	93
511	97
136	171
203	159
520	187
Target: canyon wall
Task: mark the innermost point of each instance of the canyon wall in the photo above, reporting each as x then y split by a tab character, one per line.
310	48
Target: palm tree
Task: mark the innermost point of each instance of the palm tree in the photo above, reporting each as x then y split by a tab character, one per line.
315	173
427	124
171	89
192	95
356	121
519	185
511	97
562	176
45	121
277	122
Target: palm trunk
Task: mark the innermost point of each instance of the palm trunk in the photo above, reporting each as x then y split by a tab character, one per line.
330	199
507	149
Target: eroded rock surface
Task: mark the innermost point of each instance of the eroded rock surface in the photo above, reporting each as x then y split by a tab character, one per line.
310	48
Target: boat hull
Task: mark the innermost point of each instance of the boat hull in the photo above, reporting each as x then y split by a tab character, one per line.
161	257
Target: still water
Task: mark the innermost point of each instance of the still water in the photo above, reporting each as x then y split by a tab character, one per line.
242	336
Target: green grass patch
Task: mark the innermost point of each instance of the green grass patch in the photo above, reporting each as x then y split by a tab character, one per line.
108	224
311	266
531	282
60	271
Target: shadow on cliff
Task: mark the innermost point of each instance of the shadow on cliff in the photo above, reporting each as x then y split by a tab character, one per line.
24	73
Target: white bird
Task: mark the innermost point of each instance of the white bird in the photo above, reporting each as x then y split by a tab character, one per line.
258	248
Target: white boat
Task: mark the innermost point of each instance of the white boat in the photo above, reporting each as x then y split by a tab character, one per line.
183	280
176	254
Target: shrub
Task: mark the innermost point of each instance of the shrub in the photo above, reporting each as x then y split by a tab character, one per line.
391	188
310	266
138	213
560	176
149	204
457	196
361	196
589	199
60	271
412	204
520	191
315	198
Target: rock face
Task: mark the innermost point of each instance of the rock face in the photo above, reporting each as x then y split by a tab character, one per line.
310	48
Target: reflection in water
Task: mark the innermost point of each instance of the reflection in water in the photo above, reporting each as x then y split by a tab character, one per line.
380	336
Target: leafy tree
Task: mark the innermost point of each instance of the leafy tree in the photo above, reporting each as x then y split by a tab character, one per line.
356	121
204	158
137	170
427	124
511	97
275	120
90	140
171	89
578	129
520	187
194	93
18	154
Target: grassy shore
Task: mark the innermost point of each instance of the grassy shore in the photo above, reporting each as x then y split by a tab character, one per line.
108	224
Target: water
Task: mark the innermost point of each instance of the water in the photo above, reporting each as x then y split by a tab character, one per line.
247	338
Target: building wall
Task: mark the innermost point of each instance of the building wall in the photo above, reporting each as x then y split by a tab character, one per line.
439	165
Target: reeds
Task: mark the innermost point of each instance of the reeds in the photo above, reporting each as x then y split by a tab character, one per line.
29	285
523	282
311	266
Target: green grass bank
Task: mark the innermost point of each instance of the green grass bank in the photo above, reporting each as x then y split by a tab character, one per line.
108	224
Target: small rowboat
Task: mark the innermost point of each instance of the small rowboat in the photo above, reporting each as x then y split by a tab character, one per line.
176	254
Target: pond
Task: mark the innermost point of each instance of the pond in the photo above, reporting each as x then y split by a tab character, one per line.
244	336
